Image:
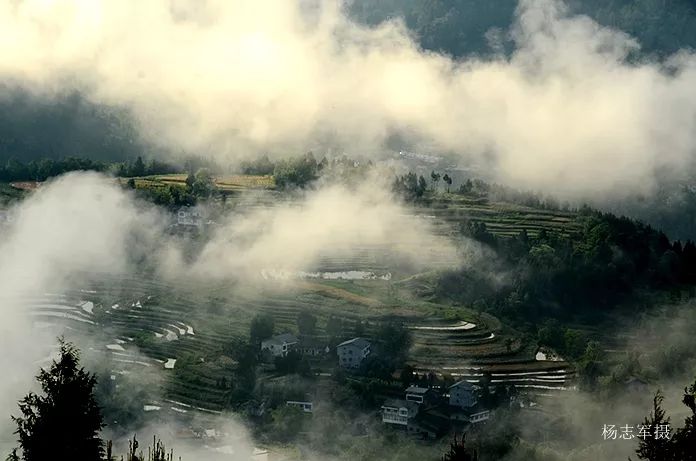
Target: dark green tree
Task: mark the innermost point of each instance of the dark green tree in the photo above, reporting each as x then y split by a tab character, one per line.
448	180
650	447
156	452
287	422
359	328
244	380
590	366
289	363
203	183
190	180
395	341
422	186
296	172
306	323
685	437
435	177
64	422
261	166
261	328
407	375
334	329
508	344
459	452
467	187
674	444
138	168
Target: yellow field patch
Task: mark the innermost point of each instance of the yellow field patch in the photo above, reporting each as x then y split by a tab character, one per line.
245	182
225	183
179	179
339	293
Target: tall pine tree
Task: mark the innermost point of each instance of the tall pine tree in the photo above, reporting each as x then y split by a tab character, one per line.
64	422
459	452
680	443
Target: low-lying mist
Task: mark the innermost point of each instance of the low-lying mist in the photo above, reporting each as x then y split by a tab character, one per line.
655	347
82	226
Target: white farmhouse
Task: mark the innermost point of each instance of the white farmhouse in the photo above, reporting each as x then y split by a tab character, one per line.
189	216
279	345
398	412
479	416
306	407
472	415
351	353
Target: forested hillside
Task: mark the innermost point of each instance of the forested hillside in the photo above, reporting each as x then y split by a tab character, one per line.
462	27
34	127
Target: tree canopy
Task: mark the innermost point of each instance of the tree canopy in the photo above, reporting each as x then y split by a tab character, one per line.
674	444
261	328
64	421
478	27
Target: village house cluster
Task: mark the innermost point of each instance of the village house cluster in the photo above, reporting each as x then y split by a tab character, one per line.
424	412
431	412
281	345
190	217
350	353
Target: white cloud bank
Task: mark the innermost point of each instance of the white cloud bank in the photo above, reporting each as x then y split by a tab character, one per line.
565	113
78	224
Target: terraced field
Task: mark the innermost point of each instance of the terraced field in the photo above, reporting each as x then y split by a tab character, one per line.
135	332
244	182
146	324
470	351
447	211
501	219
231	183
184	329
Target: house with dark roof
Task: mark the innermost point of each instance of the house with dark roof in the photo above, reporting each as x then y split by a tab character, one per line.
312	346
398	412
420	394
462	394
636	385
472	415
429	424
279	345
351	353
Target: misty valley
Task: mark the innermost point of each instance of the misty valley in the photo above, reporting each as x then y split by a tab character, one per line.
477	299
326	230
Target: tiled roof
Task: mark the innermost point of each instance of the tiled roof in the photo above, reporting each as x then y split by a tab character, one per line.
282	339
361	343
